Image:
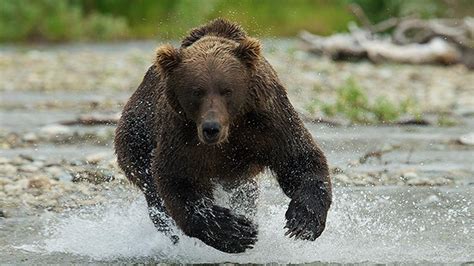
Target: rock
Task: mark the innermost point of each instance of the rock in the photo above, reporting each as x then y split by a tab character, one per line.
26	157
7	169
41	158
342	178
19	160
419	181
4	160
96	157
77	163
441	181
52	162
55	131
39	182
59	173
16	188
431	199
409	175
2	214
29	168
54	171
30	137
467	139
104	134
428	181
354	163
65	177
112	163
361	180
4	181
333	170
93	176
120	177
38	164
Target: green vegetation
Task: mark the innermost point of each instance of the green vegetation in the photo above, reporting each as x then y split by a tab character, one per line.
52	20
444	120
55	21
378	10
70	20
352	103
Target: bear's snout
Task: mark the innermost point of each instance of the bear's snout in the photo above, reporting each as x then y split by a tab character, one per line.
213	121
211	131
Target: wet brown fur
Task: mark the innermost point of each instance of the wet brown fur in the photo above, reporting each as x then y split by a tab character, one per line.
158	147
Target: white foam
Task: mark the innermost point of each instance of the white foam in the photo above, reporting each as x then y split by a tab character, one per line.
362	226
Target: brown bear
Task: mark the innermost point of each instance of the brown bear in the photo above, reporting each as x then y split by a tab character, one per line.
214	111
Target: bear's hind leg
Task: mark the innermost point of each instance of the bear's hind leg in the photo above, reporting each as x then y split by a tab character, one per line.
156	209
158	214
134	145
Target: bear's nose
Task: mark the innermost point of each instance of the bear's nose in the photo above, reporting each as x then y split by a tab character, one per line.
211	130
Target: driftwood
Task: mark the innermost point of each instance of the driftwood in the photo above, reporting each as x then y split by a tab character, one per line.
413	41
460	32
413	122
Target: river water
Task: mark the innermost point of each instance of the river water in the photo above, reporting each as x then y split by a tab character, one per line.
376	225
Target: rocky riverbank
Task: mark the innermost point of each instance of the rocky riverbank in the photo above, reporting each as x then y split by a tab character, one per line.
47	164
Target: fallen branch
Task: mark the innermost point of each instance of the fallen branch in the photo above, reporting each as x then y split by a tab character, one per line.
376	154
337	46
413	122
420	31
414	41
350	47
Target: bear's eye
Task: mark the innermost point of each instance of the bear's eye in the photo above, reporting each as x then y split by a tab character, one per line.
197	92
226	92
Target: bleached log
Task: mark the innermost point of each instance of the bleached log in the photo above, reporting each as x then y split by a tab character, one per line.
357	45
337	46
459	31
435	51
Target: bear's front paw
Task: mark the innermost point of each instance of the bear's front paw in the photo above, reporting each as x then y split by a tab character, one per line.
306	216
219	228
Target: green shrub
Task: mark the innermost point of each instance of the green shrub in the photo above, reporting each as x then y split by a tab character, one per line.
100	27
16	21
378	10
63	20
384	110
53	20
353	104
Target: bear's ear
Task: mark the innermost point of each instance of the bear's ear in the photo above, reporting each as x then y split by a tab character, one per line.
248	51
167	58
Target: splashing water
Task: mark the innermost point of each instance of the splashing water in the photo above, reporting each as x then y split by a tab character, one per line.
394	224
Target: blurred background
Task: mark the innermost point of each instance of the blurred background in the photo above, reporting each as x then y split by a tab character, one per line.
101	20
386	87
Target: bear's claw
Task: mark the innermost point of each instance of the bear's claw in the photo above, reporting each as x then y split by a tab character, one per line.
225	231
305	221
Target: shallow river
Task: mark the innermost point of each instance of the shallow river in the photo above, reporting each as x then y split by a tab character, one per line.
382	225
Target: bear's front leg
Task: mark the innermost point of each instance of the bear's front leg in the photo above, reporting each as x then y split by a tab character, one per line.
190	204
302	172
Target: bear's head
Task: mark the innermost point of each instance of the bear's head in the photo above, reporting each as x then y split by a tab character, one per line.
208	82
